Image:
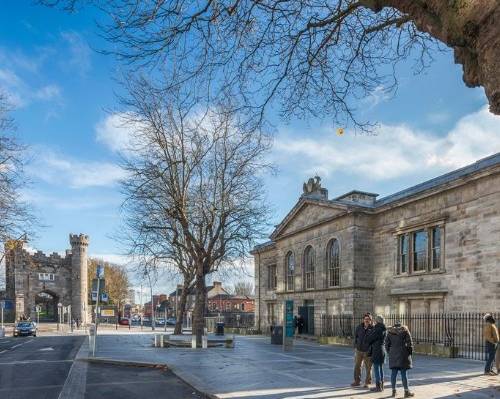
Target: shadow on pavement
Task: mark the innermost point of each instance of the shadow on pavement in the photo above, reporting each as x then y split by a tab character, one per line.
124	382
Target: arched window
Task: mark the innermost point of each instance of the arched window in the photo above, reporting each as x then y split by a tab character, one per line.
333	263
309	267
290	271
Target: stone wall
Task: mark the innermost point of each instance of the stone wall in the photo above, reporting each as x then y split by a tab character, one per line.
468	212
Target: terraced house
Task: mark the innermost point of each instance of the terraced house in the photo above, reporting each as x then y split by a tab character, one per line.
434	247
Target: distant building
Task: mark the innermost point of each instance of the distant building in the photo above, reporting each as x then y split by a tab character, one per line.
47	281
158	304
431	248
218	300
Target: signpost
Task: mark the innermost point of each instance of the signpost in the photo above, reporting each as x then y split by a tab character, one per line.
38	309
99	275
59	314
2	306
289	328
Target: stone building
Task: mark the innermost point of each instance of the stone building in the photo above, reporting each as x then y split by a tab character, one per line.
46	281
434	247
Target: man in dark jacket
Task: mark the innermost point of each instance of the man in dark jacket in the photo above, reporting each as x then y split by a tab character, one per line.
376	352
399	347
361	351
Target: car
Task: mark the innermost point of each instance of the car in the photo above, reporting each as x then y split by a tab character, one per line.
171	321
124	321
160	321
25	328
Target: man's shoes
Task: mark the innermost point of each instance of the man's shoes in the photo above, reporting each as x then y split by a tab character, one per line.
381	386
393	393
409	394
490	373
355	384
366	385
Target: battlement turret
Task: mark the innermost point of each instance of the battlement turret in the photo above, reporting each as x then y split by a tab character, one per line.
79	240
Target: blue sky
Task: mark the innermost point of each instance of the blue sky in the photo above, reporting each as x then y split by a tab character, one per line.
63	90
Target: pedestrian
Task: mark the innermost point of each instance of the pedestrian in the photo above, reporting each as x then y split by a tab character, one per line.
295	324
361	351
490	334
300	324
399	347
376	352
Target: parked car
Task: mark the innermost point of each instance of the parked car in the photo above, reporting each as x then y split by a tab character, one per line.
24	328
124	321
171	321
160	321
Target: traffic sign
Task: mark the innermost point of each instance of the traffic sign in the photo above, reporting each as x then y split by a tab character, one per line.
100	271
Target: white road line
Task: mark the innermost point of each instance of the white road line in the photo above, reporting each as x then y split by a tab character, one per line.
17	346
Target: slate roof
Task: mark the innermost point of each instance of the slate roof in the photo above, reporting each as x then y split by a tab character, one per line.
443	180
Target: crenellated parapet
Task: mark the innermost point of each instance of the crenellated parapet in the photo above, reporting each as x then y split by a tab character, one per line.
79	240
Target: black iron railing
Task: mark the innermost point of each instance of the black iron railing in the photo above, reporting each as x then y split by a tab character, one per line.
236	319
461	331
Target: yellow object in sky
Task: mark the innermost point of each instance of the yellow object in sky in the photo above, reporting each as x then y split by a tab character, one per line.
340	131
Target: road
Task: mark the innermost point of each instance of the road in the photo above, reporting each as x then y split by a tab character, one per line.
45	368
36	367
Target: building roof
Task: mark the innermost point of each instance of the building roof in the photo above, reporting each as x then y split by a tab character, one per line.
421	188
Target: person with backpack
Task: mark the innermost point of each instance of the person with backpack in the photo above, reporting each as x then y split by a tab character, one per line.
399	347
376	352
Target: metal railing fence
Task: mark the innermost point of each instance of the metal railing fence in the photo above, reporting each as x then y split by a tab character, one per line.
462	331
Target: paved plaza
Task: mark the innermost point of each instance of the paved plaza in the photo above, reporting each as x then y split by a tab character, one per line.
255	369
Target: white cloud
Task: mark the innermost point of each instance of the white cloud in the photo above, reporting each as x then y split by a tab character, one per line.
59	170
114	132
79	52
378	95
48	92
394	152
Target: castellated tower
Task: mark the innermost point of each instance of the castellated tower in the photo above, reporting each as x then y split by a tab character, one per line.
79	285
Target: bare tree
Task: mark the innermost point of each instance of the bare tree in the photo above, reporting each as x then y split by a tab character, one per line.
313	57
150	235
16	218
244	288
202	173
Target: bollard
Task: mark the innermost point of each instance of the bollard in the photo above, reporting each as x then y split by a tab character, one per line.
161	341
230	342
204	342
193	341
157	341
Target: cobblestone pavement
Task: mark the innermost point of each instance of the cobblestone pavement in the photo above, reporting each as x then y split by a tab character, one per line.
255	369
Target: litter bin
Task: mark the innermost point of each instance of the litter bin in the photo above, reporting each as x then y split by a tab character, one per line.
277	335
219	328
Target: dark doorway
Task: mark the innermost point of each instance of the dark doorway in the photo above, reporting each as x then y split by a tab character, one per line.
307	312
48	306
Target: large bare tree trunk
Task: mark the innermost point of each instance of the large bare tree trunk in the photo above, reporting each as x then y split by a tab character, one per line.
181	308
470	27
199	308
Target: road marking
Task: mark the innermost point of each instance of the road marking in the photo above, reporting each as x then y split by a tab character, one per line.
49	348
17	346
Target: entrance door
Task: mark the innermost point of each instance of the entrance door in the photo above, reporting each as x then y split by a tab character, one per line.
48	306
307	312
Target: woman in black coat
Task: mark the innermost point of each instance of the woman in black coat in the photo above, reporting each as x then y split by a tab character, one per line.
376	351
399	346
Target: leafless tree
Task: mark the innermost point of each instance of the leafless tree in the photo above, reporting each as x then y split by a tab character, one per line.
313	57
243	288
199	172
16	218
151	236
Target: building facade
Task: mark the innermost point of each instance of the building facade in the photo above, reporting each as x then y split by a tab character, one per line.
47	281
434	247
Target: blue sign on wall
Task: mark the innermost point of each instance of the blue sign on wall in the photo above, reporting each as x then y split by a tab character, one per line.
7	304
289	326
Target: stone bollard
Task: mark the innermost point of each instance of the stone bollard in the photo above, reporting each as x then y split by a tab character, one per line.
157	341
230	342
162	341
193	341
204	342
